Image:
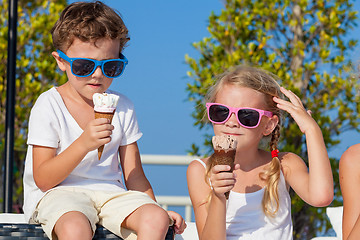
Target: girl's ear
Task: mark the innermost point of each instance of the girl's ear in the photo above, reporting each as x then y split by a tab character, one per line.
270	125
59	61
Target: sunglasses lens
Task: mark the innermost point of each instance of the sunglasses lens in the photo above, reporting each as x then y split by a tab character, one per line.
82	67
248	117
218	113
113	68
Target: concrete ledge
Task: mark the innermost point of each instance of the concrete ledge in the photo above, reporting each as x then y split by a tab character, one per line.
13	226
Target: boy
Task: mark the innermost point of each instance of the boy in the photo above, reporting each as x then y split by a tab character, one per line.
67	189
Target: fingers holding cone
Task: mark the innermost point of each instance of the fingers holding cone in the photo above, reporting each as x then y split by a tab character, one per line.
224	152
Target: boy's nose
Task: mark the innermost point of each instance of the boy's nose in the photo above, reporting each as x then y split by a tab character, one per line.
97	72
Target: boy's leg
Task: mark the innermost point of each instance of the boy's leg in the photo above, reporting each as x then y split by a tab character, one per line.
73	225
65	208
149	222
133	212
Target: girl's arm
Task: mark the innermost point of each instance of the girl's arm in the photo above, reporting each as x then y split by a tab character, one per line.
134	175
315	186
50	169
210	217
349	175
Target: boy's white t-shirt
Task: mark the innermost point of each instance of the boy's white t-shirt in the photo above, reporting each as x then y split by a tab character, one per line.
51	125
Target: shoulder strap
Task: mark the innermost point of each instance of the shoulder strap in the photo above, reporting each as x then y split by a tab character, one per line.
200	161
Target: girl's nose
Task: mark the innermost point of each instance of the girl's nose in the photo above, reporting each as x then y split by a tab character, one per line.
232	121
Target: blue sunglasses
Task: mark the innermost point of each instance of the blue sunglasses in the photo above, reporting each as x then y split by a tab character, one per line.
84	67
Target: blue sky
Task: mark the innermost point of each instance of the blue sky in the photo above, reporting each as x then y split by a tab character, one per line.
161	33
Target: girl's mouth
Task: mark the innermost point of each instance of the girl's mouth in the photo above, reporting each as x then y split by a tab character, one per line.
233	134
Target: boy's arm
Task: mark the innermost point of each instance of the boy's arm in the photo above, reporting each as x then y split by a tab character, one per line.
135	179
134	175
50	169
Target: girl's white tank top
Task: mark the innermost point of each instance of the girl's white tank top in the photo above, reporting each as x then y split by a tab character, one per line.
245	218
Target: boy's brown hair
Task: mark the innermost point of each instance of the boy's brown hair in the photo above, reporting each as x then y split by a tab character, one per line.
89	22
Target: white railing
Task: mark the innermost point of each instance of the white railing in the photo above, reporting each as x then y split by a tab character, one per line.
166	159
166	201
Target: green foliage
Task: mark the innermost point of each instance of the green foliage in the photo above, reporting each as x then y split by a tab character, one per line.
306	43
35	71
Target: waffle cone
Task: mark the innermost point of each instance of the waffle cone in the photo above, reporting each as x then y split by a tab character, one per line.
224	157
106	115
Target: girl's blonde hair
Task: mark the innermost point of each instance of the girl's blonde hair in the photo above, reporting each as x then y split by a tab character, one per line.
266	84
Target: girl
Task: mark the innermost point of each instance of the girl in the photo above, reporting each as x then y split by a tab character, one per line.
349	172
246	103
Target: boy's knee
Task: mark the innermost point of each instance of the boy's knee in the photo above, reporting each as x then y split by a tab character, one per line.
156	219
73	226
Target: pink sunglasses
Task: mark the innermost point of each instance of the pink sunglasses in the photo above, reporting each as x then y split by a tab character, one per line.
247	117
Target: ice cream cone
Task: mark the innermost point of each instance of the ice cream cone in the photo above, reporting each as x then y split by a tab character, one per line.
104	107
224	152
107	115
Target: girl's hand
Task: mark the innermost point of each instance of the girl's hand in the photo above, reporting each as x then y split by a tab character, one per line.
96	133
296	109
179	223
222	181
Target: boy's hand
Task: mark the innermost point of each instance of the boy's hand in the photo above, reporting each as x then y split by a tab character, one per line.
179	223
297	111
96	133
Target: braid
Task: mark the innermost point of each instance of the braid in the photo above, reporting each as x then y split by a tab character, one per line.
272	175
275	137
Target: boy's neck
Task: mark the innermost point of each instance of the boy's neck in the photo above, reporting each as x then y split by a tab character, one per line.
80	108
69	94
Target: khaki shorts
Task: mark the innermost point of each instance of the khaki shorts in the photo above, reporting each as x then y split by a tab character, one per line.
108	209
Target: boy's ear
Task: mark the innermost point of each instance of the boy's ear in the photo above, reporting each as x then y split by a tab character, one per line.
270	125
59	61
